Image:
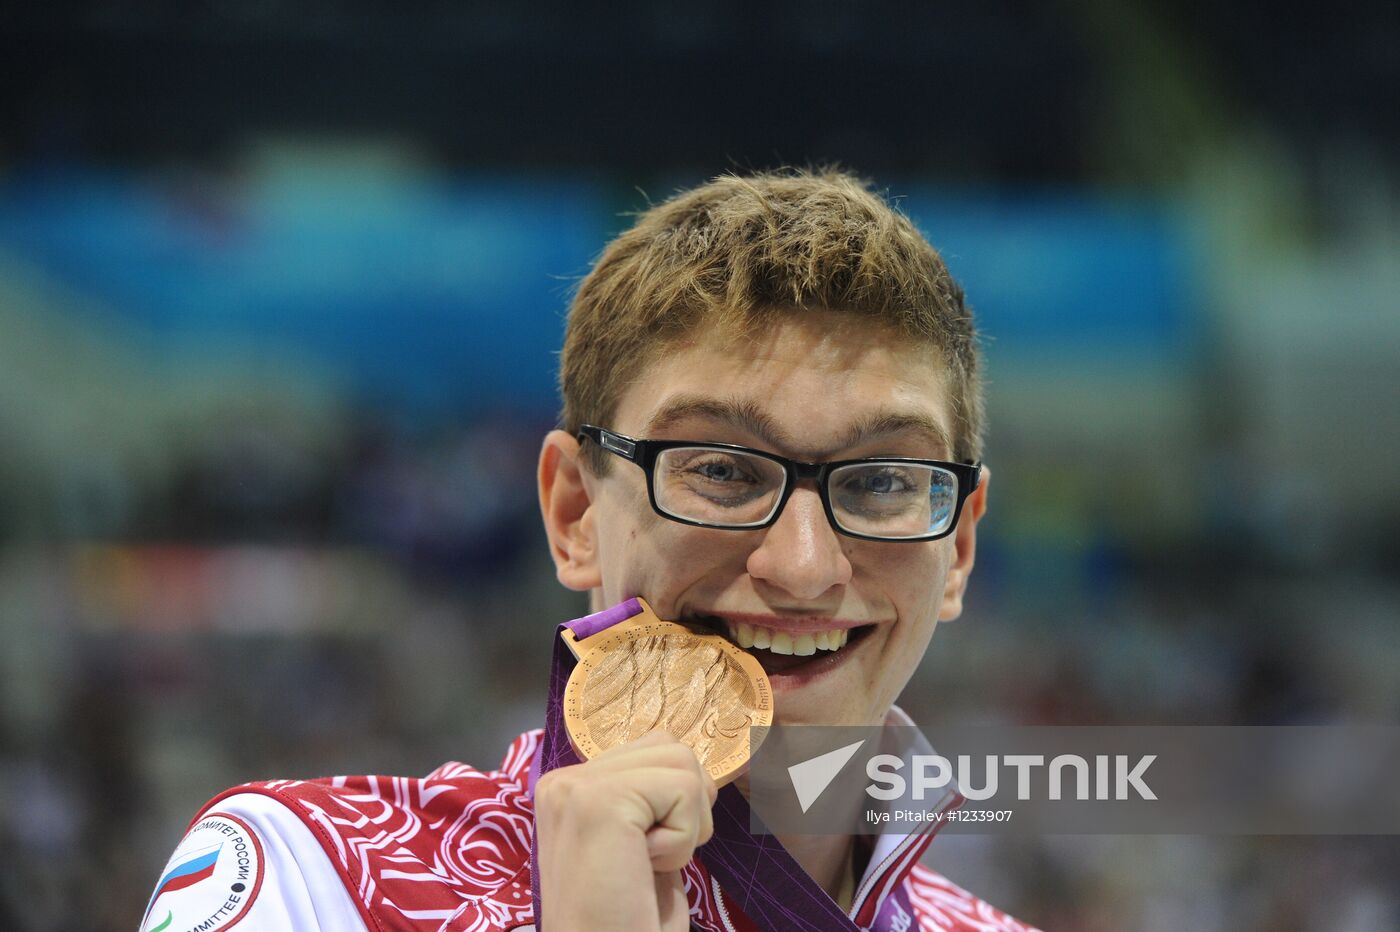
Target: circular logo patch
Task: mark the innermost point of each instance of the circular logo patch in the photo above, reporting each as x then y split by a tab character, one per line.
211	880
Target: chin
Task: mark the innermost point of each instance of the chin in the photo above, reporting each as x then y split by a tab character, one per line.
795	708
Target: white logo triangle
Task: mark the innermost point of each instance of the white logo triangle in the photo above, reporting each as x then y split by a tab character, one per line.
814	775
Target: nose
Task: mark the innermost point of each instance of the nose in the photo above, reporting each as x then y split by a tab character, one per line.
801	553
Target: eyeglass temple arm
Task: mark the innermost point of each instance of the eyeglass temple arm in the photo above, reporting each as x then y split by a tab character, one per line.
613	443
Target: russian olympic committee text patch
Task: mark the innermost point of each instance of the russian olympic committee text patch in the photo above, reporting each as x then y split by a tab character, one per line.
210	881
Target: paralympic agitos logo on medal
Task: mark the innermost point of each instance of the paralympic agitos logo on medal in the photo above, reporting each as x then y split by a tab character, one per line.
211	881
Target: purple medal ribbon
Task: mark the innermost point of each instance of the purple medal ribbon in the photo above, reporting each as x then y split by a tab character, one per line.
755	870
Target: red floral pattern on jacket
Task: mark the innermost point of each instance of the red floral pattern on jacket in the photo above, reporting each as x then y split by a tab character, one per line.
451	852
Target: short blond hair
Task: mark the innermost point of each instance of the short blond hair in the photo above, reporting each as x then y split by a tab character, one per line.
740	249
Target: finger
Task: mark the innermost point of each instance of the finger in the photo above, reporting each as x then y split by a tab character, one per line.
654	749
670	849
707	810
657	735
671	808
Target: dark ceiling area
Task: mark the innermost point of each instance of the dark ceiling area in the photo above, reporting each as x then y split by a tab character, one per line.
1002	90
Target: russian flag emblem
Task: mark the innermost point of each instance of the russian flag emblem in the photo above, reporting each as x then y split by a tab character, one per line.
198	866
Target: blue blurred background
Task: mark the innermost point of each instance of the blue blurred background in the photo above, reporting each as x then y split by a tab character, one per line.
281	292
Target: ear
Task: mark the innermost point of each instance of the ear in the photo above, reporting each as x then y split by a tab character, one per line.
566	503
965	553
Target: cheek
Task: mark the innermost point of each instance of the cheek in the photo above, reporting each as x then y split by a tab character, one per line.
915	584
914	566
642	544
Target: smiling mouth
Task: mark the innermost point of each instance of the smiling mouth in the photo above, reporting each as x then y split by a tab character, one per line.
784	651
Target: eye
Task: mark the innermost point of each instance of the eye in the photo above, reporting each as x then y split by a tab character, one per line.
718	470
721	487
885	481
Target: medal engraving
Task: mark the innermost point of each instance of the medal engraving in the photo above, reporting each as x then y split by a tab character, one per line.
645	673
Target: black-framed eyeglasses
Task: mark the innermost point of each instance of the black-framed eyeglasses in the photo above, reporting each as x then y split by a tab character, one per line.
724	485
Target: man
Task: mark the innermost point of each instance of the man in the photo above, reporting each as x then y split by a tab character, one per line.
795	316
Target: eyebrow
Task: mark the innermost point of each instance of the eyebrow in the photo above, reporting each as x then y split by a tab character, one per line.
749	417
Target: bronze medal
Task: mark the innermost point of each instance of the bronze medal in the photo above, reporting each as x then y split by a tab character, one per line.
644	673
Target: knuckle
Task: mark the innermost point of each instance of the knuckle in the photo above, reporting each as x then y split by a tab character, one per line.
655	737
680	756
694	785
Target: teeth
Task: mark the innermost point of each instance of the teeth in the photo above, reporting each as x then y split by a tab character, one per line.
783	642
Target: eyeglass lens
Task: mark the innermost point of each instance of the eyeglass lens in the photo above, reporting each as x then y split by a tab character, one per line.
881	499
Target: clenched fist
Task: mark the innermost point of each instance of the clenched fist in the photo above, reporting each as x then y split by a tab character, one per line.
613	834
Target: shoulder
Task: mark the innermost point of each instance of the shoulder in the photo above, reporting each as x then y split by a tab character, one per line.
401	852
941	904
248	859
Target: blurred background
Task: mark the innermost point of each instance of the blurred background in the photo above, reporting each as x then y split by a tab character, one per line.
281	289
